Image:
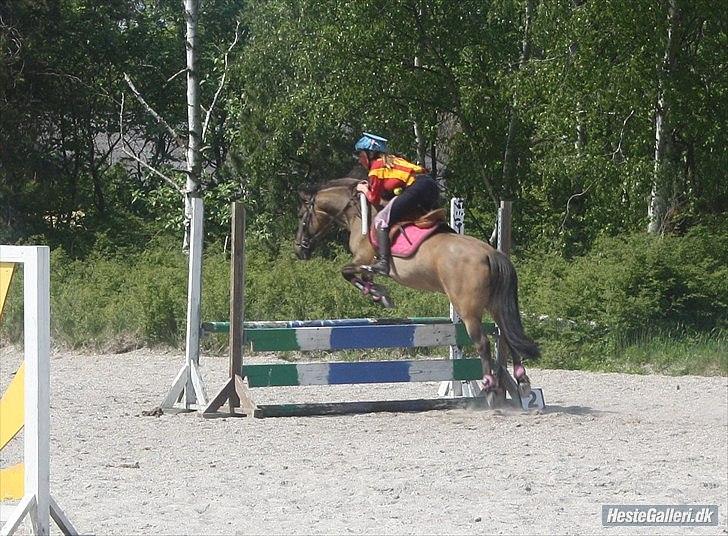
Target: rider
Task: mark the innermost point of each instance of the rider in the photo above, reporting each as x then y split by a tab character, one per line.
402	185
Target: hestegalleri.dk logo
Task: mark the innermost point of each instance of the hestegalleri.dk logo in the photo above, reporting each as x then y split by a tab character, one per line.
620	515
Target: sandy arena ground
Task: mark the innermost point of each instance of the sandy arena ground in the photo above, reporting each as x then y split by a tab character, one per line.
604	438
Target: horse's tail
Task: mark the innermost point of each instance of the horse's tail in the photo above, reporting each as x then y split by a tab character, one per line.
504	305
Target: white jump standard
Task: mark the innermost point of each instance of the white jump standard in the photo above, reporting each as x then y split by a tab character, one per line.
37	503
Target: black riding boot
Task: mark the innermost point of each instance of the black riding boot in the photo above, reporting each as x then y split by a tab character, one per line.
385	255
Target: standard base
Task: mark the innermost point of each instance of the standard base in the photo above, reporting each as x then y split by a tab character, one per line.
29	507
187	392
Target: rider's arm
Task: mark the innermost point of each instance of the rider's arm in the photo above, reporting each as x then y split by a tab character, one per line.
374	193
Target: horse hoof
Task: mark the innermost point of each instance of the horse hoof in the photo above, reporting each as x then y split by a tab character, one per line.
381	299
379	295
387	302
489	384
524	384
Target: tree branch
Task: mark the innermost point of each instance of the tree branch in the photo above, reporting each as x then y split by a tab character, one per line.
153	170
175	75
131	155
160	120
568	202
222	83
618	150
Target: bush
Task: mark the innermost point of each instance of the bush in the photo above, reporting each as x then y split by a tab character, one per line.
634	303
626	289
122	301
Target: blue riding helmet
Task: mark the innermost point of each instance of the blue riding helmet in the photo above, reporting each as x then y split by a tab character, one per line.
370	142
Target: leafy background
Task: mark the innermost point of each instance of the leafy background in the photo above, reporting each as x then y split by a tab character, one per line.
552	104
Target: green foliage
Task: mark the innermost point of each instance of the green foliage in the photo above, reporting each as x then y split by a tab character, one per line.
558	115
551	104
626	283
63	175
597	72
626	291
120	302
634	304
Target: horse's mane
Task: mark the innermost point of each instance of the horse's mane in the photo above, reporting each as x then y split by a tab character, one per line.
343	182
356	175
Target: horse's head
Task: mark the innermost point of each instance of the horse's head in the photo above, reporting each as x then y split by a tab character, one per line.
320	209
309	223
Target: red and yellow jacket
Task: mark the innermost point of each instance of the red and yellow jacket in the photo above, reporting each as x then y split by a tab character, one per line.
389	173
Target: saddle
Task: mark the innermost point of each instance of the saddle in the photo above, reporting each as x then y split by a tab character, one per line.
423	221
407	236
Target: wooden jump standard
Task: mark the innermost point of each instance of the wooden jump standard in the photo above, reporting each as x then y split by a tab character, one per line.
334	335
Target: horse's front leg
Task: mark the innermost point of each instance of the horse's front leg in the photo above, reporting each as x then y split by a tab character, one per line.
363	281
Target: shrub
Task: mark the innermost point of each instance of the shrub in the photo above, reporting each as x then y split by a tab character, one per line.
631	303
625	289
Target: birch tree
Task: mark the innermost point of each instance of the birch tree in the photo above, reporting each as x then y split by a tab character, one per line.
194	112
663	175
191	144
508	155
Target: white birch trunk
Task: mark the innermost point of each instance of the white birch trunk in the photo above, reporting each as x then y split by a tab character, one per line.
657	207
421	145
525	55
194	122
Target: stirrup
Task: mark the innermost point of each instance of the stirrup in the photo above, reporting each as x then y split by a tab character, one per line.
380	267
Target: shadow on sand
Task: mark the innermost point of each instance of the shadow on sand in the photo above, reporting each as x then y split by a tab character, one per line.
574	410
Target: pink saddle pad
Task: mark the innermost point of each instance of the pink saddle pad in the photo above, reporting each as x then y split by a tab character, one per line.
407	241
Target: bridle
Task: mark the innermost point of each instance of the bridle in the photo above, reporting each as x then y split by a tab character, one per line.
308	240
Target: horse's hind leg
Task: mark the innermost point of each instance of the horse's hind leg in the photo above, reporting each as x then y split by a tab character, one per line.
519	374
482	346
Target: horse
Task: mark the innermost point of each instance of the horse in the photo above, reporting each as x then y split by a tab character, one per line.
475	276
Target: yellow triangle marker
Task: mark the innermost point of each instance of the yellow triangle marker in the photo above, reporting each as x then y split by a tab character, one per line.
12	483
12	409
6	275
12	413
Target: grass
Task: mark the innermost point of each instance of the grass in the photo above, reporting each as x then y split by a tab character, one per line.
700	354
676	353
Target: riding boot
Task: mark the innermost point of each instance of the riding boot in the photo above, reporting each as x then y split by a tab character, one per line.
385	255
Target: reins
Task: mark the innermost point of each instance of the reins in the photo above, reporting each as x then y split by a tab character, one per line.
306	241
